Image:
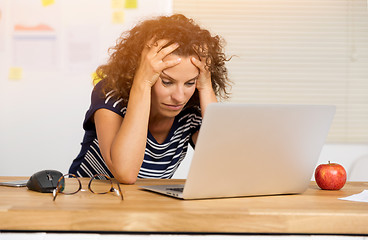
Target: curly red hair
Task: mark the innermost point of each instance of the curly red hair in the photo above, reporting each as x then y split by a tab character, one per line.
118	73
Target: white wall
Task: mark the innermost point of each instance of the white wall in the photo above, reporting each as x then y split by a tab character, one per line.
41	113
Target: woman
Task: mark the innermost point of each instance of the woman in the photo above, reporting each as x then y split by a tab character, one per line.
156	86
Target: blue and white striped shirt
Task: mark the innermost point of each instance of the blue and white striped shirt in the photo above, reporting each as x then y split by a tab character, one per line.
161	160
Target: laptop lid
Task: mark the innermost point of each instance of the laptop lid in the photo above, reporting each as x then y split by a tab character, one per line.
255	149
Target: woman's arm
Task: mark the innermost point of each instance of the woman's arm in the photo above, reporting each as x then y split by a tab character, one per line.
107	125
123	141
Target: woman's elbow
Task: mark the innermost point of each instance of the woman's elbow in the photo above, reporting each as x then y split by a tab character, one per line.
128	179
124	171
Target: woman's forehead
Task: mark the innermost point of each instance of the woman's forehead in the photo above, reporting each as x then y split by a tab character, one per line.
185	69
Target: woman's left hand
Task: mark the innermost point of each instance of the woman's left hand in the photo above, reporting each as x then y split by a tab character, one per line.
204	84
204	79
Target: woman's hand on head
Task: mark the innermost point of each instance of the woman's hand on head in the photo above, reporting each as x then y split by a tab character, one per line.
152	64
204	86
204	78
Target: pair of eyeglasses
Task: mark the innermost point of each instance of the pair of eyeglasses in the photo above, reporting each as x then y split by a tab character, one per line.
98	184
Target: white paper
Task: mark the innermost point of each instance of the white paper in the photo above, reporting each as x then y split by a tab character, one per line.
360	197
82	44
35	37
35	52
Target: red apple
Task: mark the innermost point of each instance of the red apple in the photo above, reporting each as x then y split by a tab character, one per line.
330	176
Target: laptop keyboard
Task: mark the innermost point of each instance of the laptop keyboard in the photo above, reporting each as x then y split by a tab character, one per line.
176	189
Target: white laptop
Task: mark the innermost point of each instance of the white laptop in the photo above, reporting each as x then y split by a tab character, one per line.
254	150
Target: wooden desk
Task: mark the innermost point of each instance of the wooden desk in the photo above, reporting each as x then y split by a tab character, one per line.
314	212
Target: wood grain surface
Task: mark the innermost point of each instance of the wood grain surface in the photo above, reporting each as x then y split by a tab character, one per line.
313	212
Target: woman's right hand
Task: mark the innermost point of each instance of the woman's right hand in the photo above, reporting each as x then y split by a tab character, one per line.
152	63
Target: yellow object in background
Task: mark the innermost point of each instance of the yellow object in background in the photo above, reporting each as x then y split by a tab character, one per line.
95	78
118	17
117	4
47	2
131	4
15	73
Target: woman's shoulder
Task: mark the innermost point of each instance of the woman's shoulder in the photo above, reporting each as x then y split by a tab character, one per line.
103	100
106	98
98	90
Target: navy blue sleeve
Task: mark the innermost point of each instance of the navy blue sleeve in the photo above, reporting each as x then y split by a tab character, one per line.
100	100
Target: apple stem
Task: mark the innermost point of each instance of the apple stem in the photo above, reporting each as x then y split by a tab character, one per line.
329	162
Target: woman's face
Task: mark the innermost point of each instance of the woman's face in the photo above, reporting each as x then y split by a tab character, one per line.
174	88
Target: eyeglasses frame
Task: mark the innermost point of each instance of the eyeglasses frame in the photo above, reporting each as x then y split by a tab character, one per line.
56	191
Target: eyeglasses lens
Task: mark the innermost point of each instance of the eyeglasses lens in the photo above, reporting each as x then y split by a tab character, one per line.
69	185
100	184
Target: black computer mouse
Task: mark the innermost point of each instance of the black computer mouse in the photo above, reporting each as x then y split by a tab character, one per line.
44	181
